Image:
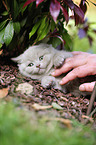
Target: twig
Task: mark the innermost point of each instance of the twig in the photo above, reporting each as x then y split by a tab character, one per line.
92	112
6	8
93	96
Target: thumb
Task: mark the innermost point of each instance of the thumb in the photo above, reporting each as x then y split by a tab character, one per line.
88	87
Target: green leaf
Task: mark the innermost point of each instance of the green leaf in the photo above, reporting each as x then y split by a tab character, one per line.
2	35
2	24
23	22
52	25
44	32
43	24
16	26
56	106
9	31
5	13
68	40
16	8
55	41
34	29
0	45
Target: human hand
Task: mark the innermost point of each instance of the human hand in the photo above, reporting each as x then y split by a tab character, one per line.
81	64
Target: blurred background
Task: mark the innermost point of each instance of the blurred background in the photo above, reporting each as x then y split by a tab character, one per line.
83	44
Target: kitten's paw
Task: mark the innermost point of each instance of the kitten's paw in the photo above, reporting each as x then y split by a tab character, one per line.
48	82
60	57
59	60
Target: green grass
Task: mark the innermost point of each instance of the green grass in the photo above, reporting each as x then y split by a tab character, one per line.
18	127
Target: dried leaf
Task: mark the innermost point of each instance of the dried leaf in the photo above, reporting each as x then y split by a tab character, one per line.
56	106
87	117
3	92
39	107
63	98
25	88
66	122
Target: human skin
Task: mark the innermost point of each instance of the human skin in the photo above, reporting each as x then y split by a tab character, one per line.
81	64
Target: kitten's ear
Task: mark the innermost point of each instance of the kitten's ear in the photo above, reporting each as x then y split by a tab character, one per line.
18	59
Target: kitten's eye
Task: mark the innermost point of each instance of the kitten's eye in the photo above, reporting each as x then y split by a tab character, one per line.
41	58
30	64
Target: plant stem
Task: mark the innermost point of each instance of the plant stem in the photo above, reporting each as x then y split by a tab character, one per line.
6	8
93	96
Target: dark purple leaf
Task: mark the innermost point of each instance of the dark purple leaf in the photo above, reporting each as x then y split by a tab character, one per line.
69	3
54	33
54	9
28	2
94	30
90	40
79	12
83	1
38	2
65	14
86	27
77	19
63	41
57	35
81	33
83	6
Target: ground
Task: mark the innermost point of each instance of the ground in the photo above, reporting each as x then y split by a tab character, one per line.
59	105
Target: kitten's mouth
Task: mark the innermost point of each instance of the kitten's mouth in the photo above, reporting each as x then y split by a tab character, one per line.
41	70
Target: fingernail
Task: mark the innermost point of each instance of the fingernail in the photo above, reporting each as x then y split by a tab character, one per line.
61	82
53	73
82	88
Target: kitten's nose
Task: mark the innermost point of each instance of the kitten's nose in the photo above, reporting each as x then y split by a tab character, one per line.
38	66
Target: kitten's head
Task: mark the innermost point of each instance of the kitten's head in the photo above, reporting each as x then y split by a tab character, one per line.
35	61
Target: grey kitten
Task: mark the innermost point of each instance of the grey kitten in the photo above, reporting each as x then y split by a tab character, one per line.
39	61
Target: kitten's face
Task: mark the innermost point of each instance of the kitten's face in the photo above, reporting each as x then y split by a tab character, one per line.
34	61
37	64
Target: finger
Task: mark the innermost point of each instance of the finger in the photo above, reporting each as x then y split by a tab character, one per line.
79	53
58	72
88	87
79	72
70	63
76	52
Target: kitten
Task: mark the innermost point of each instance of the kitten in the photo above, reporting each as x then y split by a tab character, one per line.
39	61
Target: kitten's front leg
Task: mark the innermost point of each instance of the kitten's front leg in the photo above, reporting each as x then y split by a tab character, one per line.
60	57
48	81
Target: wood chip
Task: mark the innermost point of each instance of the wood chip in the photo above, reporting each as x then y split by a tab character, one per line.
3	92
39	107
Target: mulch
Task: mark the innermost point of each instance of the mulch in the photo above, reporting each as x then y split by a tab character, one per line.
74	107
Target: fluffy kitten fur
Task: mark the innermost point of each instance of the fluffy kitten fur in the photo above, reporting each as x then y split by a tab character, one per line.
38	62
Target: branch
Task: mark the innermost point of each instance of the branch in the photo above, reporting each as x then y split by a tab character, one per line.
93	96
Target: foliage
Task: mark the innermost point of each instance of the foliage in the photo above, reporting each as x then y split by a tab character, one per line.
24	23
20	127
83	36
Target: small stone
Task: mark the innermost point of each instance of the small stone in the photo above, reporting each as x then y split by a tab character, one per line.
25	88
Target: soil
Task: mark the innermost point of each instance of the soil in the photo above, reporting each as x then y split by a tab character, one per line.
73	107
